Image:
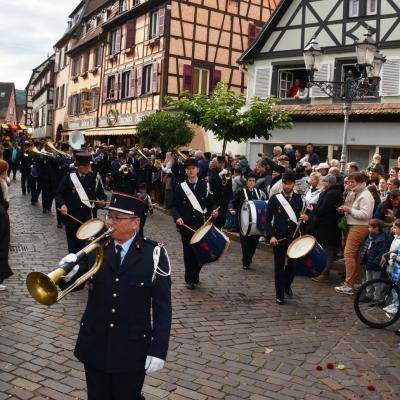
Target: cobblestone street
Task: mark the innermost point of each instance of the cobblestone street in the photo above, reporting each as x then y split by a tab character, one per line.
229	339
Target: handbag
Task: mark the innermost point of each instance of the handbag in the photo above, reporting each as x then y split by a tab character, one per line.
342	223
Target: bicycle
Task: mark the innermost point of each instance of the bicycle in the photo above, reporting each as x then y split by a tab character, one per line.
375	312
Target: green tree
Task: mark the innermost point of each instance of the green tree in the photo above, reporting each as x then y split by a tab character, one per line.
165	129
225	113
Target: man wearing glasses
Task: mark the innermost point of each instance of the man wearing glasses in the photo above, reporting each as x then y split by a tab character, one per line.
125	328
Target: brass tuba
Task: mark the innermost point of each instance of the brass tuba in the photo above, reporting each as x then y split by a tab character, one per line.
43	288
180	155
36	151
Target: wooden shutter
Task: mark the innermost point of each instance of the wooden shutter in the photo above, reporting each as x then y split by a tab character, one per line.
130	34
216	77
118	40
105	83
69	105
133	83
390	78
252	33
154	78
139	73
161	21
262	82
86	62
323	74
187	78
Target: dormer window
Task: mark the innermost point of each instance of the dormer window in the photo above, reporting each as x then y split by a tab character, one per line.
122	6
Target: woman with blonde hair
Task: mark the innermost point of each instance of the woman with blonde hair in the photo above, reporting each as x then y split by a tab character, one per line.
312	194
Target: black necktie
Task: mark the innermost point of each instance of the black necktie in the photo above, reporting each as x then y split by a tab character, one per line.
118	250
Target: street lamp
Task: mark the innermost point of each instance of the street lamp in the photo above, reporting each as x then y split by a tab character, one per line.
369	66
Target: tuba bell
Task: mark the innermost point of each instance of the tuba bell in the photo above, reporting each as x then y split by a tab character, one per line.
76	140
50	147
43	288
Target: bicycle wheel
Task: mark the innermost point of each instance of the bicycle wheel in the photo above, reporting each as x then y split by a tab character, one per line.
371	303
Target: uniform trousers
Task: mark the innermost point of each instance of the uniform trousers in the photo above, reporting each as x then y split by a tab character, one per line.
25	187
106	386
74	244
249	246
284	272
192	267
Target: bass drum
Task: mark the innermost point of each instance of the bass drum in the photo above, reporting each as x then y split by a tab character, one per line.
253	217
307	256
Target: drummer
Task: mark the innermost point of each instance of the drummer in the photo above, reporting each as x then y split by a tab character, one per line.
283	213
193	204
248	243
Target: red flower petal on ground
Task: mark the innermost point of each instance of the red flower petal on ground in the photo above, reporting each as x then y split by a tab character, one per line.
330	366
318	368
371	388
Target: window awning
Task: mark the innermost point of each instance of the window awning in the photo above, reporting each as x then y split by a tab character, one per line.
112	131
13	126
5	126
22	127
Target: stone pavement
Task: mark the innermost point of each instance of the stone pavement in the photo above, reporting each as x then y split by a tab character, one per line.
229	339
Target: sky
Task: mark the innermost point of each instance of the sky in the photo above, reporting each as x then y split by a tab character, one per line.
28	31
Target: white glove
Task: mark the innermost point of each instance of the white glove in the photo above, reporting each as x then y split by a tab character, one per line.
70	258
121	168
223	172
153	364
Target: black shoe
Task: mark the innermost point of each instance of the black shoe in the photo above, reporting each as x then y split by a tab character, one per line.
44	211
245	267
142	397
397	332
190	286
59	226
279	301
289	291
197	281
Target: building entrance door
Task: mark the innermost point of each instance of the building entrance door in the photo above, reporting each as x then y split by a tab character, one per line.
360	156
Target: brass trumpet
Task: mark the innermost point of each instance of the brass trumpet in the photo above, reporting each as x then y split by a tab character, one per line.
43	288
226	178
125	169
50	146
37	152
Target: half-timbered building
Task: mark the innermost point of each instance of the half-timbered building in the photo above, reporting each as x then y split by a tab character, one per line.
275	60
156	48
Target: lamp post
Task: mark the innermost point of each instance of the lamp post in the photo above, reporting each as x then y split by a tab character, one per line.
369	65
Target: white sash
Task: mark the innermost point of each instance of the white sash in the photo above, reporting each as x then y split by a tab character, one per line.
80	190
247	197
287	207
192	198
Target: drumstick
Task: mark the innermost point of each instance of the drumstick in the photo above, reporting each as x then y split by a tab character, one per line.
299	222
188	227
72	217
211	217
279	240
97	201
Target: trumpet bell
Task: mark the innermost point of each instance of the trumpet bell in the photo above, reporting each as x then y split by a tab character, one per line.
89	229
42	287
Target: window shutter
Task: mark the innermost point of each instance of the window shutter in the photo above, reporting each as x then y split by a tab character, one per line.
69	105
390	78
161	21
139	73
252	33
154	78
56	62
118	41
117	87
132	83
130	34
216	77
262	82
323	74
105	89
187	78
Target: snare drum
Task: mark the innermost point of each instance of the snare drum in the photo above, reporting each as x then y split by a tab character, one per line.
209	243
307	256
253	217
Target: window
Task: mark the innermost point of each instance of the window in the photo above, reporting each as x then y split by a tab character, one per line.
146	86
122	6
111	87
201	81
95	98
291	83
56	101
85	62
359	8
42	117
97	57
75	67
11	110
135	3
62	101
125	88
154	24
49	117
114	45
2	94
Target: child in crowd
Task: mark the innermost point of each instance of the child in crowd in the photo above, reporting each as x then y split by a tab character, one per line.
372	250
389	259
142	195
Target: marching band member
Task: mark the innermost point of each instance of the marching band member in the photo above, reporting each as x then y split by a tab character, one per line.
125	329
73	197
248	243
283	213
193	203
123	180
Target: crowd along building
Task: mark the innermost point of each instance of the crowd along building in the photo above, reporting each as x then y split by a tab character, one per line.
274	61
119	59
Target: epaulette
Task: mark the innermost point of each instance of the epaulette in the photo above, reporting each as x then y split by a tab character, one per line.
153	242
